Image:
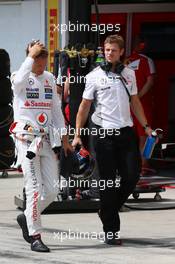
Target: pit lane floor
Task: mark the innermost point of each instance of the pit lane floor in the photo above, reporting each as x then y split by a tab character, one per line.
148	236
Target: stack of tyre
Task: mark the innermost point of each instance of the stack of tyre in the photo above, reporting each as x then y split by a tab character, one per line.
7	146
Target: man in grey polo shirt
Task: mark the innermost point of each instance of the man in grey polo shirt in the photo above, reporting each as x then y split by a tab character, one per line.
112	87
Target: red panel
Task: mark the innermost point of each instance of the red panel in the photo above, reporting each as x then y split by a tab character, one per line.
150	17
164	69
53	12
112	19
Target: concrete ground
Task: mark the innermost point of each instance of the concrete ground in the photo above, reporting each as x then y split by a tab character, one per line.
148	236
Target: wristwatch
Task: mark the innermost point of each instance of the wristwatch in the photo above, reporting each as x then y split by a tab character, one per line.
146	126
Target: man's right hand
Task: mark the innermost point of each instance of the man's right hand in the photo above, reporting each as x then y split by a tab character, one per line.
35	49
76	142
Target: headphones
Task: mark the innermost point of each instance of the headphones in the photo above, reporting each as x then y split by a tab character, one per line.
106	66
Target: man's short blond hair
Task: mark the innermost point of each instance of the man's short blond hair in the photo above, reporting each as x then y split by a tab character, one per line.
115	39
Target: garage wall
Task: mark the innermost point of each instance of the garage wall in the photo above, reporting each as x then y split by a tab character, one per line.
20	22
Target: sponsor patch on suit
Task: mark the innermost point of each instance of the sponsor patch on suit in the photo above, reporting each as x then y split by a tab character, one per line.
33	95
48	96
48	90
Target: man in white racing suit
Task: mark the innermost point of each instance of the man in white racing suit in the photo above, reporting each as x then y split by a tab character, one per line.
37	113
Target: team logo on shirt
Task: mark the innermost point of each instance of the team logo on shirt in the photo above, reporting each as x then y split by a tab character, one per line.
33	95
134	65
27	104
37	105
32	89
42	118
48	96
128	80
46	83
103	81
105	88
31	81
48	90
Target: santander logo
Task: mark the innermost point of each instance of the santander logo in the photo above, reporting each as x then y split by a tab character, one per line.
37	104
27	103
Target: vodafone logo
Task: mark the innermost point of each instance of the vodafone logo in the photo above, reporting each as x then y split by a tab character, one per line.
42	118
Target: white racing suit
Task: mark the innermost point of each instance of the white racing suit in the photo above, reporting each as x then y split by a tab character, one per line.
37	108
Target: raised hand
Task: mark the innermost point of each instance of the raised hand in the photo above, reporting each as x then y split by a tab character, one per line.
35	49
